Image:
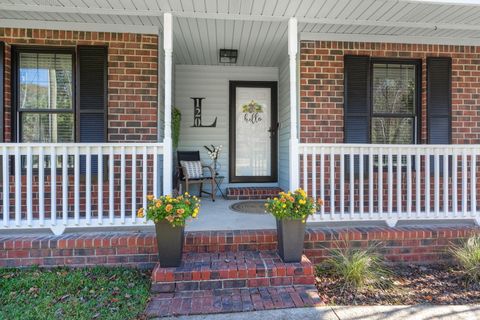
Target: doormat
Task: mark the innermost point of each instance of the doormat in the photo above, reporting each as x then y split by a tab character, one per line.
249	206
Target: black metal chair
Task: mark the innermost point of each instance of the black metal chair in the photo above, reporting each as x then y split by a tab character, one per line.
183	176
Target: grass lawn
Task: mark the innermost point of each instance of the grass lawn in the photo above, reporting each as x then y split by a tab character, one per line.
62	293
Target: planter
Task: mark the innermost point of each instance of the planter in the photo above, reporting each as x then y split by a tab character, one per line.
170	244
290	237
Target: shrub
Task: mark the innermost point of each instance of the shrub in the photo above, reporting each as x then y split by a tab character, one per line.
176	210
356	268
291	205
467	256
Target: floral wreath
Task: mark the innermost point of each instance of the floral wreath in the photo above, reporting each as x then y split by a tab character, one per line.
252	107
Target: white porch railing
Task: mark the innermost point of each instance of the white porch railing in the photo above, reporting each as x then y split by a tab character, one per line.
392	182
92	184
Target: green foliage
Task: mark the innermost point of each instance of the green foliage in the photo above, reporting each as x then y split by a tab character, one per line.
467	255
62	293
175	210
291	205
356	268
176	119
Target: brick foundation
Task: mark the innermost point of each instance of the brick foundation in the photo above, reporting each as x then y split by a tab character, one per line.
398	245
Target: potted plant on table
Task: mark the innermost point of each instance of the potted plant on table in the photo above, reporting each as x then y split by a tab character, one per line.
170	215
291	210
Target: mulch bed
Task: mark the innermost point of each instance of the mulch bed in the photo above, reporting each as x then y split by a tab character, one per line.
412	284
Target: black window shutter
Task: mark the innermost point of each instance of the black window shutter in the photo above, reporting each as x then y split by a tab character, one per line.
439	100
2	88
92	97
357	103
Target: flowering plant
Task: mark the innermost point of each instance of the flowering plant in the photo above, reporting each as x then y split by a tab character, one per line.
176	210
292	205
213	151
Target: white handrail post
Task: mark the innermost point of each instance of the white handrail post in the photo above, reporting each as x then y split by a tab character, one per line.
167	140
293	144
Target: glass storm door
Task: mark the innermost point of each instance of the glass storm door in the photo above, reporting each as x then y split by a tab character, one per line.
253	131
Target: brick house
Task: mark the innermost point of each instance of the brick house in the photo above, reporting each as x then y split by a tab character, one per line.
376	113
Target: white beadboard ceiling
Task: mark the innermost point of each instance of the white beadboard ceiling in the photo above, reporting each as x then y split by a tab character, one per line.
256	27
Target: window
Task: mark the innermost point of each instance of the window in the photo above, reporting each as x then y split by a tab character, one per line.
394	103
45	96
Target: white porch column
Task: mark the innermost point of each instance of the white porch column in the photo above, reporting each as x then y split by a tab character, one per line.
167	140
294	171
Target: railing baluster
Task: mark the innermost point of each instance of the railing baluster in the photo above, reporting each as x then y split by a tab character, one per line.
314	172
100	185
360	182
155	172
88	186
342	184
436	182
454	184
144	177
370	183
390	182
18	186
134	185
76	187
427	184
322	180
473	184
111	182
380	182
445	184
332	184
305	177
29	187
41	186
65	186
122	185
351	182
464	183
418	184
53	185
409	185
6	186
399	183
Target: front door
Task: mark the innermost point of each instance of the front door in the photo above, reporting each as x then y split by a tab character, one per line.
253	131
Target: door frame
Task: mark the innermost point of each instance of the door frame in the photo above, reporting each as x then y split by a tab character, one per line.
272	85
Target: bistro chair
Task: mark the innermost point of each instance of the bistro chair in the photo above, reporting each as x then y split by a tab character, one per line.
190	171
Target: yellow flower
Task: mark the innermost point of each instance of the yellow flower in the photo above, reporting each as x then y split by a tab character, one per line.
140	213
284	206
158	204
187	194
195	213
150	197
168	208
302	201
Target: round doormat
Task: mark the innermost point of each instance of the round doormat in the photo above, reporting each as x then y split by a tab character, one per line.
249	206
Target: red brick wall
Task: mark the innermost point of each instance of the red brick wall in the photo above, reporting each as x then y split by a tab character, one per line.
132	77
321	91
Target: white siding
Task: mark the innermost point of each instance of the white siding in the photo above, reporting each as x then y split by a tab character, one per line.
284	120
211	82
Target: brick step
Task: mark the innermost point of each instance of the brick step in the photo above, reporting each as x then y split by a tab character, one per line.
231	300
246	269
252	193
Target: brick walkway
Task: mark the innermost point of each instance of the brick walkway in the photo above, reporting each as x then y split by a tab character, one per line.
231	300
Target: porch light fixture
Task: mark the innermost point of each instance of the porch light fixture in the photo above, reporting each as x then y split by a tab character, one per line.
228	55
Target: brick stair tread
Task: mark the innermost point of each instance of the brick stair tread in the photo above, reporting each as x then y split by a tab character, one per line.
232	300
226	270
231	265
246	193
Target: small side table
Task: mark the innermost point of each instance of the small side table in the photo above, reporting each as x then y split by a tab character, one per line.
218	182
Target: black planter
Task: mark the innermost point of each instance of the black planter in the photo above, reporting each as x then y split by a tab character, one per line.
290	236
170	244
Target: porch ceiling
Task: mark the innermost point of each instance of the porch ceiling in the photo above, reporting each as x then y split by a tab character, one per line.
427	21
